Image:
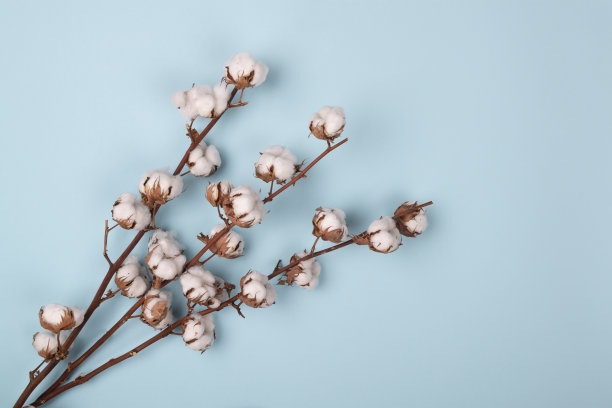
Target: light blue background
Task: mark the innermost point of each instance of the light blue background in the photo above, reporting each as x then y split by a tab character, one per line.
497	111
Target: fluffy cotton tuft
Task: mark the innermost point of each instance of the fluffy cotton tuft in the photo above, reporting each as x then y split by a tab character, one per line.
199	331
130	213
165	258
217	193
156	310
56	318
45	343
157	187
230	245
383	235
204	160
242	71
244	207
328	123
132	278
199	286
410	219
256	291
304	274
276	163
201	100
329	224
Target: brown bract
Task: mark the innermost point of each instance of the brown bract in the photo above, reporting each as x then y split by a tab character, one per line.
127	223
154	194
66	323
321	133
222	247
229	212
331	235
243	81
215	194
289	277
156	312
405	213
245	299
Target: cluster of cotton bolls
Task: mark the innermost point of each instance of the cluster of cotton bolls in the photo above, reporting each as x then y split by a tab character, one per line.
199	331
304	274
156	308
157	187
132	278
130	213
56	319
256	290
204	160
276	163
328	123
165	258
202	100
243	71
329	224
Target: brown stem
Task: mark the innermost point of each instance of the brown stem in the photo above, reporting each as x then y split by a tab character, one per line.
424	204
111	271
206	260
303	172
314	245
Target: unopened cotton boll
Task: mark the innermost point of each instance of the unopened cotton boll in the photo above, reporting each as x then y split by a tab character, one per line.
199	331
242	71
304	274
199	286
165	258
410	219
383	235
56	317
132	279
230	245
276	163
156	308
244	207
157	187
217	193
328	123
256	290
204	160
329	224
45	343
201	100
130	213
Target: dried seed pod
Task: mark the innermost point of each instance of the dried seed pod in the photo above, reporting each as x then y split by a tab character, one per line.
132	278
230	245
244	207
199	286
217	193
130	213
304	274
56	317
204	160
329	225
383	235
242	71
156	308
165	258
276	163
256	291
328	123
157	187
45	343
199	331
410	219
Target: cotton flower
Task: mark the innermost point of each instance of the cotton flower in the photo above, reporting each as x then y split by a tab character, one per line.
242	71
304	274
276	163
217	193
199	331
383	235
199	286
230	245
159	186
45	343
204	160
411	220
56	317
130	213
256	291
165	258
201	100
328	123
132	278
156	310
329	224
244	207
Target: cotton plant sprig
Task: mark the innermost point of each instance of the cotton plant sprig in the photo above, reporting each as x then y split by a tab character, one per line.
237	206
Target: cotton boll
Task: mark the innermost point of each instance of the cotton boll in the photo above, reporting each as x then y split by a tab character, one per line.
199	286
156	308
276	163
157	187
131	278
204	160
45	343
230	245
304	274
410	219
244	207
165	258
223	288
199	332
383	235
130	213
256	291
222	97
242	71
217	193
201	100
56	317
328	123
78	314
329	224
